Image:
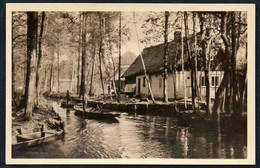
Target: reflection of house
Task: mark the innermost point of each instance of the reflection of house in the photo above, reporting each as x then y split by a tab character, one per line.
153	60
126	60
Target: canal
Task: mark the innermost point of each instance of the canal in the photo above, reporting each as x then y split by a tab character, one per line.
136	136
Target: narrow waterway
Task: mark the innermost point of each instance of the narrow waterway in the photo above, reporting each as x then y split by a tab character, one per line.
136	136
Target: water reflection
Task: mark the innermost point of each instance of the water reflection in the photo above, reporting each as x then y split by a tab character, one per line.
136	136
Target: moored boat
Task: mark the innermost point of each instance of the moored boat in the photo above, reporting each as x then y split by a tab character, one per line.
35	138
65	105
95	113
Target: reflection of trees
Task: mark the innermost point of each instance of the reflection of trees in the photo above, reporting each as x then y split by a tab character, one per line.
182	142
216	152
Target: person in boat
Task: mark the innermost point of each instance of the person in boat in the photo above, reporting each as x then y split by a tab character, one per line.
68	97
99	109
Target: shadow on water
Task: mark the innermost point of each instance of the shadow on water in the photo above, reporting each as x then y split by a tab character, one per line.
105	120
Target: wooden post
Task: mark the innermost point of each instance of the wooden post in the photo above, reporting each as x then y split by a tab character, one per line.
67	96
42	131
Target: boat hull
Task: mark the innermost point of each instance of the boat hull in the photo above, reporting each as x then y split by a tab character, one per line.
65	105
33	139
94	115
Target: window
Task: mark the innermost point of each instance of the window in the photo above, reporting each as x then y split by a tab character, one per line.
214	81
144	83
188	81
203	81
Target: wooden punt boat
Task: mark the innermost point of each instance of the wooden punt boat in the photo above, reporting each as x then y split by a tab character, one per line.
95	113
35	138
65	105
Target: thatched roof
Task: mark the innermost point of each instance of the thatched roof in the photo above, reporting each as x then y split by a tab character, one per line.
123	69
153	60
154	63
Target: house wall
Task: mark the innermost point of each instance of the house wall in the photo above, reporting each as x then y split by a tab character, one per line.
130	84
213	88
158	85
156	81
143	85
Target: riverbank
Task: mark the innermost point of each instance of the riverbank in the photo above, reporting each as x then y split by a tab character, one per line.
185	115
142	106
41	116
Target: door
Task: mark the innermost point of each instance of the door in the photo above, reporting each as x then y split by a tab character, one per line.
138	85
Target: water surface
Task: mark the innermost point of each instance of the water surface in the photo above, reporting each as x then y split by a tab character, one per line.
136	136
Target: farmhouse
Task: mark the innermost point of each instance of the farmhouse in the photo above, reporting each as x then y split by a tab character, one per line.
136	83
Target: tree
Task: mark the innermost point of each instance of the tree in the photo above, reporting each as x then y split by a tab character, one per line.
93	66
19	20
182	63
234	41
32	26
165	58
196	50
230	81
79	53
119	62
83	58
39	58
206	45
100	52
225	79
190	60
142	60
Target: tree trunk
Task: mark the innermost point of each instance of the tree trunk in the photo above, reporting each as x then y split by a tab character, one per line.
79	50
119	60
165	59
244	83
24	77
51	76
113	64
114	76
143	65
72	77
32	26
236	112
206	62
207	77
190	60
182	66
92	69
38	68
58	66
45	80
244	87
100	53
83	58
225	80
13	68
174	77
220	90
195	86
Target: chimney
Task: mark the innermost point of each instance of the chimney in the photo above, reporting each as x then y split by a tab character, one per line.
177	36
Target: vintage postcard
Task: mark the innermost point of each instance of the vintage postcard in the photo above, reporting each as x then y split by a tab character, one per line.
154	84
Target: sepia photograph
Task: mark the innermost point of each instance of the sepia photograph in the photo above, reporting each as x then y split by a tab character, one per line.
130	83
